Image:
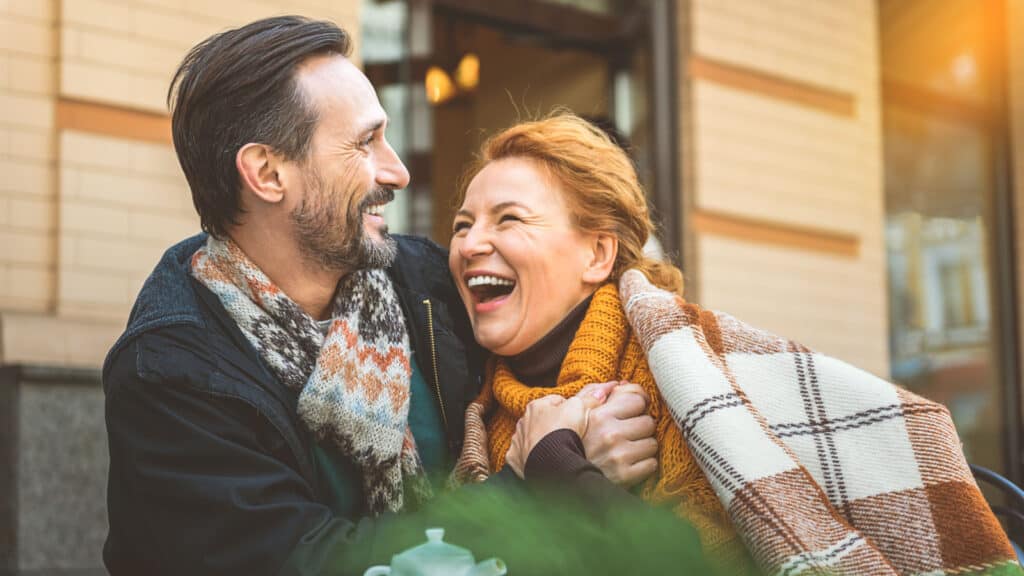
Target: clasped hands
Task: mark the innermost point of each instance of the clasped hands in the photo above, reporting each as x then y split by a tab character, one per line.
611	418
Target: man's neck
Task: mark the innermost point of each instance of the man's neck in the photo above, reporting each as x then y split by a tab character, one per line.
309	285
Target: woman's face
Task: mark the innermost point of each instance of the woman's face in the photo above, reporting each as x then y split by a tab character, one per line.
520	263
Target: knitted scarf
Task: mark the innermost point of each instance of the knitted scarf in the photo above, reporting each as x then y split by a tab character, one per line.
352	384
821	468
604	349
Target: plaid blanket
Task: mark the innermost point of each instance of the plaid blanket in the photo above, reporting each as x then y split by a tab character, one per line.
823	467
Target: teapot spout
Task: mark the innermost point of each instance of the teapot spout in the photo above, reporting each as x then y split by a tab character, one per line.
490	567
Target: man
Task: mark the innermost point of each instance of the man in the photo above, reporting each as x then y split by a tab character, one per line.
289	380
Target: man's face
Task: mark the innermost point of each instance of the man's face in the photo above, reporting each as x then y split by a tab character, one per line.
351	171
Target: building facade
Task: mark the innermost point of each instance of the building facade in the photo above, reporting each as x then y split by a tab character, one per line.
848	173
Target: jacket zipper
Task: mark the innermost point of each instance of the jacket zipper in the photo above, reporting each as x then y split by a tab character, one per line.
433	357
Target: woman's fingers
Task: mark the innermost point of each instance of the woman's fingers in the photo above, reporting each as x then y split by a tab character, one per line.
644	449
630	388
545	401
625	401
637	428
593	395
639	471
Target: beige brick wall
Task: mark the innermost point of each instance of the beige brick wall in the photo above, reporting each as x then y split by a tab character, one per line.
122	203
84	217
757	157
124	52
28	72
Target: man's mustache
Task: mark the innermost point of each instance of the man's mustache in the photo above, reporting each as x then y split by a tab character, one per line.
379	195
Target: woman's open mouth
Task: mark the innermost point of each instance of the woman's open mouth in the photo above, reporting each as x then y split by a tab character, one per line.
489	290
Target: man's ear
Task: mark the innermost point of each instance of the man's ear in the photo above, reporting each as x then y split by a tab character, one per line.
605	250
259	168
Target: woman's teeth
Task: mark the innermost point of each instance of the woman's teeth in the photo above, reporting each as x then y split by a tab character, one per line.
488	281
375	210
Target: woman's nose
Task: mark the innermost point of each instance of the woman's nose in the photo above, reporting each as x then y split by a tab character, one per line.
475	243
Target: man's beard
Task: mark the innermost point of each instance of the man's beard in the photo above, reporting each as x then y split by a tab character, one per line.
331	234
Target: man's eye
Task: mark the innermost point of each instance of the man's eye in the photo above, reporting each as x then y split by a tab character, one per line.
367	141
508	218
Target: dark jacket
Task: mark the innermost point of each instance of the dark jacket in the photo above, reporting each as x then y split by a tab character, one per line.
210	470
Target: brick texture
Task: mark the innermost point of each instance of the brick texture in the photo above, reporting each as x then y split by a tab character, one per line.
124	52
122	204
761	158
28	215
84	218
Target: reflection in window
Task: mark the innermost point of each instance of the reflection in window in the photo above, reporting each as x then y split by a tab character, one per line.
451	73
940	95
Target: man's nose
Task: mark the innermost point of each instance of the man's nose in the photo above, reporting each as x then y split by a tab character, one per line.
391	172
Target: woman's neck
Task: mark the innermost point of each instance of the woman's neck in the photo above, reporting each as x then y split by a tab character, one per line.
539	365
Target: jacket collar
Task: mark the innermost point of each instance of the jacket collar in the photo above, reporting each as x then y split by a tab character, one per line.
167	297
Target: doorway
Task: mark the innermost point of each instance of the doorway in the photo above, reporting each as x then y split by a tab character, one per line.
450	73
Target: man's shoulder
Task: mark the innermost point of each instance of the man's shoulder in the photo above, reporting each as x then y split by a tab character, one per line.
421	247
422	266
162	354
167	302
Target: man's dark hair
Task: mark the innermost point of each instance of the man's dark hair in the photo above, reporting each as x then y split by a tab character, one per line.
238	87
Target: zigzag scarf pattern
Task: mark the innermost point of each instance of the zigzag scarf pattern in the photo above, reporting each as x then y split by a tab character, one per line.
823	468
353	383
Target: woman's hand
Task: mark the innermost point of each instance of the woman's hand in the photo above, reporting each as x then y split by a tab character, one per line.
619	438
542	417
545	415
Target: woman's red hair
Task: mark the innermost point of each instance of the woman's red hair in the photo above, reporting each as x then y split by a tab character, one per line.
600	184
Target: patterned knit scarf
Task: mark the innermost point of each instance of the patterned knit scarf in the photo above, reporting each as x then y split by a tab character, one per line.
604	349
353	383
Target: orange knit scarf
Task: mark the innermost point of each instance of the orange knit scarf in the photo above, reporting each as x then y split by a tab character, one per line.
605	349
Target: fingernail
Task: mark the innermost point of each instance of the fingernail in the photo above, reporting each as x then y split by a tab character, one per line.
599	394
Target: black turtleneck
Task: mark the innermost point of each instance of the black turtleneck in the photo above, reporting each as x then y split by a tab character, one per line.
539	365
559	458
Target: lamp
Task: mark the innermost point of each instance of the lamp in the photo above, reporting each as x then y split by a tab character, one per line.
467	73
439	85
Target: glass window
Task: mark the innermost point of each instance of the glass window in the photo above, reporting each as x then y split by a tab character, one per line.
450	73
941	99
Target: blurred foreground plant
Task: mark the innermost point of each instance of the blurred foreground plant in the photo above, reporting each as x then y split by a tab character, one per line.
554	532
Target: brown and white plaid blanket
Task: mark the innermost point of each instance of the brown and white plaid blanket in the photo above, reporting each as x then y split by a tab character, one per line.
824	468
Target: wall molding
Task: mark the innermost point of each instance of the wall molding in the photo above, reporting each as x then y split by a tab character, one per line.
110	120
834	102
755	231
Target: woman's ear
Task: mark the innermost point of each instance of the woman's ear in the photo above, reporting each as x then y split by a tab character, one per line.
259	169
605	250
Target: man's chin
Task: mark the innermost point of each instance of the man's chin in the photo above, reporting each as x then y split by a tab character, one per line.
379	252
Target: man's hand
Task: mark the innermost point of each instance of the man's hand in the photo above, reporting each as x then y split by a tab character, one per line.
542	417
619	437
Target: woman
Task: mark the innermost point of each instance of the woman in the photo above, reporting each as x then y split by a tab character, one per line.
552	221
536	266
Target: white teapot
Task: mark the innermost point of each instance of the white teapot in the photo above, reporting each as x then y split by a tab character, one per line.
438	558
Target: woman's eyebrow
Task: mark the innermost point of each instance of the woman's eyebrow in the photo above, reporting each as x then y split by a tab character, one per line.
496	208
508	204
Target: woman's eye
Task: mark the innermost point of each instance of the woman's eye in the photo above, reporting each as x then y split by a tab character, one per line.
508	218
460	227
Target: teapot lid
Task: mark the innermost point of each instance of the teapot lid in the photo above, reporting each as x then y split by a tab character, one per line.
435	551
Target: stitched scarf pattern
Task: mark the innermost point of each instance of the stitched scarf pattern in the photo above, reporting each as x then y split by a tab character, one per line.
353	384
